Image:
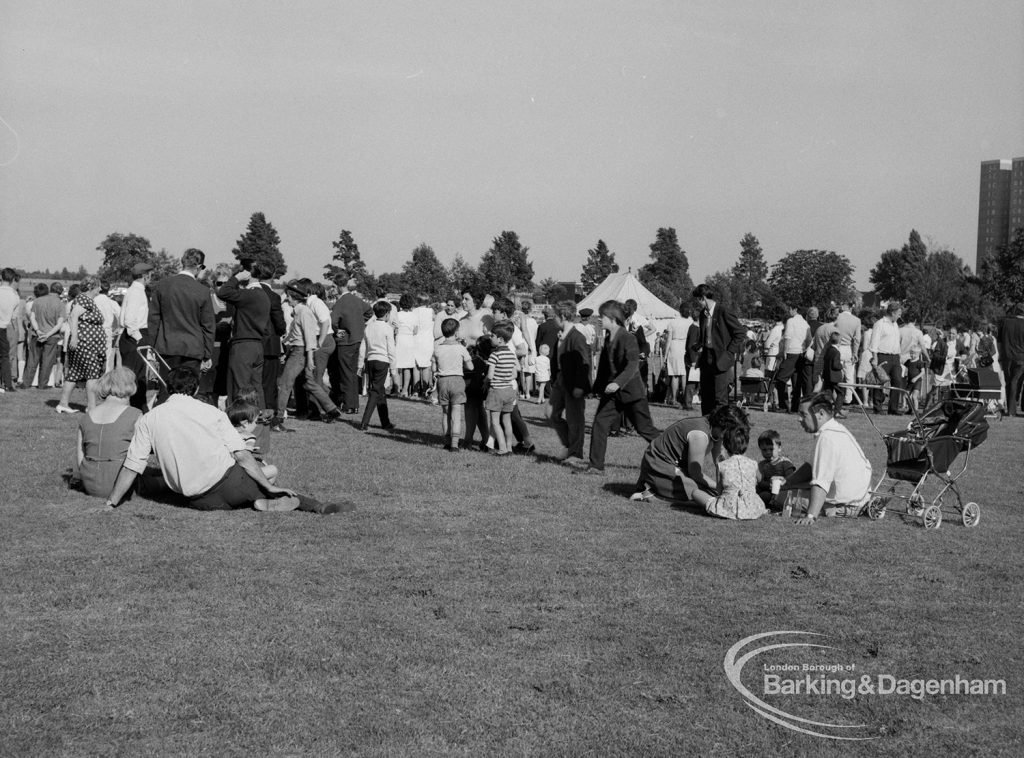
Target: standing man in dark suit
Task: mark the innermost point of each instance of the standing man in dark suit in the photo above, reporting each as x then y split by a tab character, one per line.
570	387
272	335
721	341
181	320
618	385
348	318
1011	356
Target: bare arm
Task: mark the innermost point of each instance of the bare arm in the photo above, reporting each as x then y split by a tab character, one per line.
815	500
123	483
255	472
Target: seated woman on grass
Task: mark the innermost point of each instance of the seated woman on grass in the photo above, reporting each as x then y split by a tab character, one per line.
105	432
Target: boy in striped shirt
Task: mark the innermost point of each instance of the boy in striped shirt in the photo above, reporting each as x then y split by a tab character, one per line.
502	368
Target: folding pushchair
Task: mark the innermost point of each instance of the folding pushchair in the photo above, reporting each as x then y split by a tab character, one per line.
153	362
923	458
757	391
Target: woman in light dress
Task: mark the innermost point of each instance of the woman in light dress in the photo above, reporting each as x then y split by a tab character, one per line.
424	352
677	339
406	329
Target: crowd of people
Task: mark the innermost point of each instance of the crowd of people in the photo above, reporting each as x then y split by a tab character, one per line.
202	371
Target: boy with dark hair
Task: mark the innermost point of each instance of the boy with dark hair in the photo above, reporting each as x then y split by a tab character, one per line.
476	390
451	359
502	367
772	464
832	373
379	340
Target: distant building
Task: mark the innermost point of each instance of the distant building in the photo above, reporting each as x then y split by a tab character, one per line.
1000	205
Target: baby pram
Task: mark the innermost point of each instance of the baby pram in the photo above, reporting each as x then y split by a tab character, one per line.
756	391
922	458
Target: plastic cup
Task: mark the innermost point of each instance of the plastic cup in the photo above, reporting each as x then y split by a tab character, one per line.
777	482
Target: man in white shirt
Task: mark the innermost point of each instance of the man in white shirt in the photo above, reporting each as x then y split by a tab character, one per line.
796	342
202	457
772	346
885	357
838	478
135	320
9	301
111	319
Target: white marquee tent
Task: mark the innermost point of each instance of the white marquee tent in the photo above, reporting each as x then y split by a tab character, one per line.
624	286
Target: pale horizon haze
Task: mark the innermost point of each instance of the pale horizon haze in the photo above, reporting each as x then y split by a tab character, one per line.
832	125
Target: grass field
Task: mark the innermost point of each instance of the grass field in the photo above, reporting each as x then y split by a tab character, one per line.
476	606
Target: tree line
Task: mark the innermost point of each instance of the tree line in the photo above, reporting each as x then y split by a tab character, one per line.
932	282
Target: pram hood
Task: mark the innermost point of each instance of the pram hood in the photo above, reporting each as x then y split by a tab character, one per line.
937	436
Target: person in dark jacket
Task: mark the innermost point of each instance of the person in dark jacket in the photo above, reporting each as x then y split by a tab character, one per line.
181	320
272	335
348	318
618	385
570	387
720	343
248	326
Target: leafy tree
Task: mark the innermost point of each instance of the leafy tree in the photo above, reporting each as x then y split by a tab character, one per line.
934	285
424	274
600	263
895	269
1003	272
972	307
164	265
505	266
750	274
260	244
120	253
393	282
552	291
668	273
350	263
465	277
812	277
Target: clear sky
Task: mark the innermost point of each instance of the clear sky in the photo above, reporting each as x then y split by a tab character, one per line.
837	125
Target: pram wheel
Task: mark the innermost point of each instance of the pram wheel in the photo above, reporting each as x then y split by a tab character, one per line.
971	514
876	508
932	517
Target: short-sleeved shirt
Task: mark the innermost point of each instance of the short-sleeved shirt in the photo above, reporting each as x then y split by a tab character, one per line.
839	466
194	443
451	358
506	366
48	310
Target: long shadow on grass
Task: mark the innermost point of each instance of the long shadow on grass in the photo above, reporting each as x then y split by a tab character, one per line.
408	436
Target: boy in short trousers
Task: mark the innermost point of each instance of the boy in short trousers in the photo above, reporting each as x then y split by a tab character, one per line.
450	358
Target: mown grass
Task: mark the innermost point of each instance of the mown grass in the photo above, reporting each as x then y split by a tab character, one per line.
477	606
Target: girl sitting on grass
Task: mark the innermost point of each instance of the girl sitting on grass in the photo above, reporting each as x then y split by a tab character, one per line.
737	481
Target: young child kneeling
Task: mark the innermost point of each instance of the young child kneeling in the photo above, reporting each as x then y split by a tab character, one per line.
737	479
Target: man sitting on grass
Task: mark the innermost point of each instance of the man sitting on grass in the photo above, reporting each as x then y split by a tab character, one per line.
203	457
840	474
